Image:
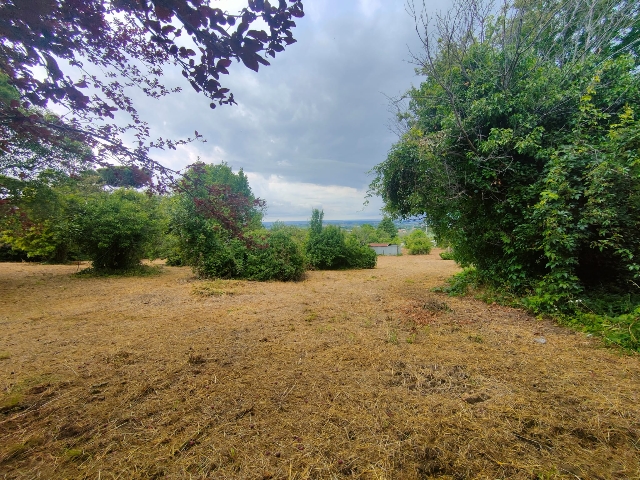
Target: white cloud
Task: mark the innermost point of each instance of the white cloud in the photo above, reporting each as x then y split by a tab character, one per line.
288	200
369	7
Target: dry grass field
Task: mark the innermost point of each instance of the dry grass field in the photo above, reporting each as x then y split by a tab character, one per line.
347	374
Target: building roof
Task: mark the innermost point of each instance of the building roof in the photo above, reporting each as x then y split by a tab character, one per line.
380	244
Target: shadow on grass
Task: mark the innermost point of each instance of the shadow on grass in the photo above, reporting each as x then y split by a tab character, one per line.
137	271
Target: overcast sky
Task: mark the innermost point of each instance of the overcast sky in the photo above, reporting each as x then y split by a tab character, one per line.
308	128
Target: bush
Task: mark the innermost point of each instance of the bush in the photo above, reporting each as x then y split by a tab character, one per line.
447	255
327	250
115	228
209	220
275	256
533	173
38	216
418	243
460	283
359	256
219	258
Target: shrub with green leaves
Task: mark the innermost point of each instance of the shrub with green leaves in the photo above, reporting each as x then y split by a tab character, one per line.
274	255
522	146
358	255
39	216
329	248
210	218
115	228
447	255
418	243
216	224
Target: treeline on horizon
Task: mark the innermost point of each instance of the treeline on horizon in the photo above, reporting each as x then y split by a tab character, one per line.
211	221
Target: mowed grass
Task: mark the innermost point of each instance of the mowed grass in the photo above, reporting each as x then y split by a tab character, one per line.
346	374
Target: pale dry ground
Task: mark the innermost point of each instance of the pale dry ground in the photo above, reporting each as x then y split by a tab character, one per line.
347	374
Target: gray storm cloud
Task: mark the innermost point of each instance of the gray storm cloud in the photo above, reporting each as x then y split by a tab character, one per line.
318	115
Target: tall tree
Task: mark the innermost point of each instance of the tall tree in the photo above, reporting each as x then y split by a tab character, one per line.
213	213
520	144
387	229
130	42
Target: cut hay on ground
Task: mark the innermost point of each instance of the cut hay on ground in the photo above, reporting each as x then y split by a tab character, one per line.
347	374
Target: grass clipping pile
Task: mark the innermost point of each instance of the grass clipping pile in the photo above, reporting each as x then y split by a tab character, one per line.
347	374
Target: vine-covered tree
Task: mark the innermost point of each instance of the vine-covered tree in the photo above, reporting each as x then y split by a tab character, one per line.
111	45
521	145
212	215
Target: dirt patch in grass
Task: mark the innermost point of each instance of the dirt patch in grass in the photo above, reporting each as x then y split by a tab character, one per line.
363	374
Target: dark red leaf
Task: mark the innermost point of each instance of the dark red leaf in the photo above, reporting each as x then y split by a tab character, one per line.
250	61
258	35
163	13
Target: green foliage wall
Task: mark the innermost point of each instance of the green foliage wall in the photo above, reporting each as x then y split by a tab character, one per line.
521	148
115	228
39	217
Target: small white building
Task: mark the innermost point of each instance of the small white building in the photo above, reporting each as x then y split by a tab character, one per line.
386	248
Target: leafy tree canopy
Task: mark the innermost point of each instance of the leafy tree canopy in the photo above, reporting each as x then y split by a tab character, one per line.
114	228
133	41
26	156
39	216
213	213
387	229
521	144
124	176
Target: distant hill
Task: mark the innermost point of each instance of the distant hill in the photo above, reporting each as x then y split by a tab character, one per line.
349	224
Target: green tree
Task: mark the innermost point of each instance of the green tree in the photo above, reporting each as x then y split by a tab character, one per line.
520	145
132	42
386	229
115	228
329	248
315	224
40	216
213	213
418	243
365	234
